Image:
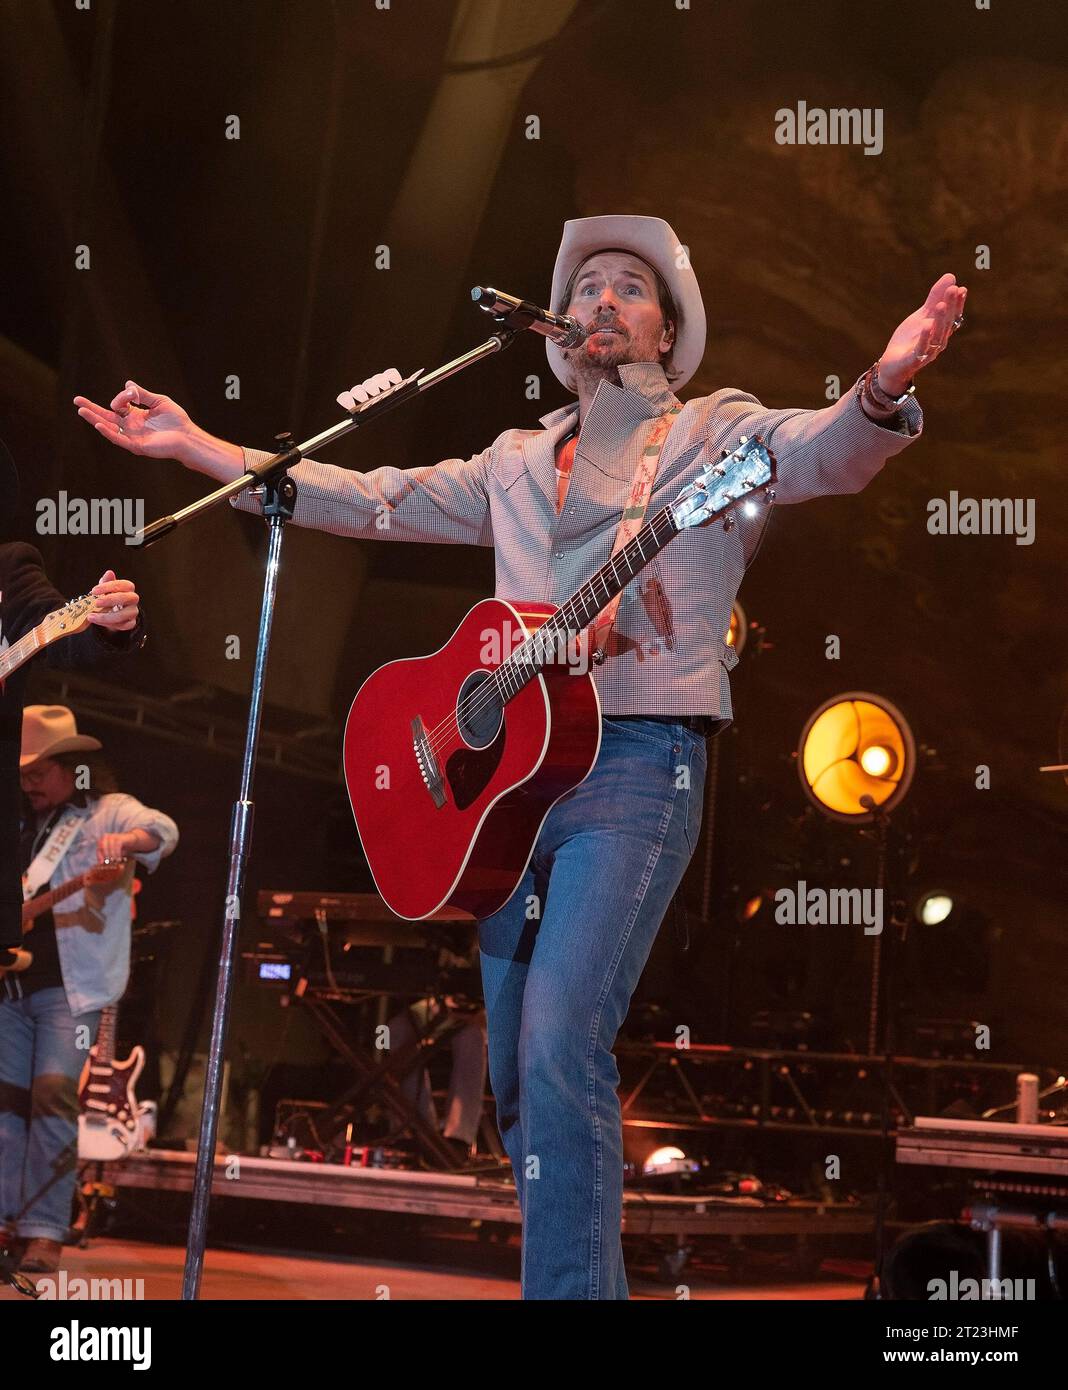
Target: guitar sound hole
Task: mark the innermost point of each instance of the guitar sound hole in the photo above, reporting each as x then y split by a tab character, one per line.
478	715
480	718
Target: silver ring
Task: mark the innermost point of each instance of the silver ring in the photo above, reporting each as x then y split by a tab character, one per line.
923	357
957	322
116	607
121	430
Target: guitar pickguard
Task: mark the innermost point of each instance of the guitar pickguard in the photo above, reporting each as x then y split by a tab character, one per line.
469	771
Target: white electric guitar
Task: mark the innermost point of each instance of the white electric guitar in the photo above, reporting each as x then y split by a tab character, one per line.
113	1122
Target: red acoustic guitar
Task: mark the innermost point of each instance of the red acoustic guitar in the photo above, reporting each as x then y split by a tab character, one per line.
453	760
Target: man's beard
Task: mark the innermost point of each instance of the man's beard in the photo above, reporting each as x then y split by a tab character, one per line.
623	349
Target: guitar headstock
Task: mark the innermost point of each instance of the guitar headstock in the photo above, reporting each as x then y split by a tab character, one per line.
107	872
740	474
71	618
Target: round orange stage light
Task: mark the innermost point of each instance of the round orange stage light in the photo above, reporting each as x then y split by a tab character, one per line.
855	746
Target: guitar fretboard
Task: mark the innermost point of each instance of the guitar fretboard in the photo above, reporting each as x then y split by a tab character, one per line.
17	653
105	1035
574	616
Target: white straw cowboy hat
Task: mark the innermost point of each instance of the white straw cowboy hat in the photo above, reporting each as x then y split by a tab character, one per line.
50	729
653	240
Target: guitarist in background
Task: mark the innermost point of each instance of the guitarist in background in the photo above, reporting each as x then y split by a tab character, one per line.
611	853
27	596
81	963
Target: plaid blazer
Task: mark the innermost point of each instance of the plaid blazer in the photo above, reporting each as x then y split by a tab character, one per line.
667	654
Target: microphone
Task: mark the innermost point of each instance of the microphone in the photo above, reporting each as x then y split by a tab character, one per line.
564	331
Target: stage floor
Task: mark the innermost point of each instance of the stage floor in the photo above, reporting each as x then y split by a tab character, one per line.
258	1274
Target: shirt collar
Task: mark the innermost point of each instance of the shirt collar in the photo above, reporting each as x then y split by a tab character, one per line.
644	388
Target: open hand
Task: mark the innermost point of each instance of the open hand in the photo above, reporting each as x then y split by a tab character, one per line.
923	336
141	422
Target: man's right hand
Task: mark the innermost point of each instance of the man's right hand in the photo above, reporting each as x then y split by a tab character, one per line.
144	422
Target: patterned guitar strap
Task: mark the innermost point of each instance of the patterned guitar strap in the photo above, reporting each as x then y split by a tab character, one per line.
641	489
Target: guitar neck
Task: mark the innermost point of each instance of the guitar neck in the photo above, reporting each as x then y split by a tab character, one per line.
64	622
36	906
19	653
574	616
105	1035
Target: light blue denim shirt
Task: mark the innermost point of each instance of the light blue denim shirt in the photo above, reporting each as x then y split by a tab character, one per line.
93	925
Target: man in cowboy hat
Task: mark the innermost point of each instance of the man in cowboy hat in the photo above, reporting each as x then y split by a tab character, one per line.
50	1011
612	852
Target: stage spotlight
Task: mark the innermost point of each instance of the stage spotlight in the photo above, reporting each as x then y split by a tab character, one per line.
951	951
751	907
934	908
856	754
738	630
877	760
668	1159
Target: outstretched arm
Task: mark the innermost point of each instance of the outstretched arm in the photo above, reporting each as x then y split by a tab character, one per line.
840	448
448	501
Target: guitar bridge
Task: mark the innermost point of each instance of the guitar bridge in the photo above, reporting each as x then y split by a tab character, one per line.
428	763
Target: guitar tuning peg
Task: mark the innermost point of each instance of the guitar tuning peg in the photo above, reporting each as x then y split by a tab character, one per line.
728	522
723	453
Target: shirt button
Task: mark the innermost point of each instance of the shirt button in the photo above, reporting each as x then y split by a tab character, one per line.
559	554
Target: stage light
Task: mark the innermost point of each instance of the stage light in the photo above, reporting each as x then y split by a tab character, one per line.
876	760
739	629
934	908
668	1159
663	1155
856	754
748	909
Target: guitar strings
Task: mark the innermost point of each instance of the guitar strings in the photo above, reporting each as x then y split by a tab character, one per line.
490	689
443	733
513	668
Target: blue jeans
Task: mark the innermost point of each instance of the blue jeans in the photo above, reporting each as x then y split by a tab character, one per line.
560	962
43	1048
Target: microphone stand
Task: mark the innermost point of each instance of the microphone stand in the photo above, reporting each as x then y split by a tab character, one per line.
279	501
883	994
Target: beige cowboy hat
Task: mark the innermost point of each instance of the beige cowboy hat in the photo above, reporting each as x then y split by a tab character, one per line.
51	729
653	241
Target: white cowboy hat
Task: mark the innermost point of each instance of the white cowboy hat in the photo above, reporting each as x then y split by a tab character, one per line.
51	729
653	240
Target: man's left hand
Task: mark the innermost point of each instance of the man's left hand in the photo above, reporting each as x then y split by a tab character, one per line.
923	336
114	845
117	603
